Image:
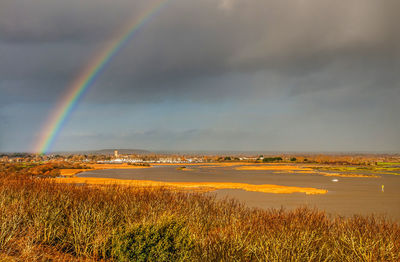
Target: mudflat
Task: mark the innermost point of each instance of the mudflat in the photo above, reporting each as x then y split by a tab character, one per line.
346	196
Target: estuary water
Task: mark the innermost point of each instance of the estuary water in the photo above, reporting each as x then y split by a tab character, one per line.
346	197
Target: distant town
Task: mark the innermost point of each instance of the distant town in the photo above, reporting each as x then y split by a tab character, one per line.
146	158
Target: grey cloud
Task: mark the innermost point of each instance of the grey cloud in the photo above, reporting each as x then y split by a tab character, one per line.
3	126
192	40
160	139
24	21
311	67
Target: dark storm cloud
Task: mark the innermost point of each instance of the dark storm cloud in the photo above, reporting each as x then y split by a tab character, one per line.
4	125
51	41
326	71
41	21
156	139
191	40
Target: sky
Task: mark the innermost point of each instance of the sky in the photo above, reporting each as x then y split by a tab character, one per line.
272	75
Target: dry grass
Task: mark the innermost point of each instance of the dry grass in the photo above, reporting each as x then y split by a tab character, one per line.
275	167
184	168
72	172
299	169
198	186
210	164
114	166
329	174
348	175
41	220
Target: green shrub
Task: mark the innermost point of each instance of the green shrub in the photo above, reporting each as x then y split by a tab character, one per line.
165	241
272	159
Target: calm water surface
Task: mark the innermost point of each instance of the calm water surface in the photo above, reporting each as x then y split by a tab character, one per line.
346	197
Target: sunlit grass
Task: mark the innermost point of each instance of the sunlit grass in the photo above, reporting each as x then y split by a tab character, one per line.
198	186
388	163
371	170
115	166
72	172
301	169
42	220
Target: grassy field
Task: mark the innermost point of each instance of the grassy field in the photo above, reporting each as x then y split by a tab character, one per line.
274	167
197	186
65	172
340	171
41	219
380	168
68	176
346	171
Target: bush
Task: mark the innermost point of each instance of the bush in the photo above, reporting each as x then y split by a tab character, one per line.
165	241
272	159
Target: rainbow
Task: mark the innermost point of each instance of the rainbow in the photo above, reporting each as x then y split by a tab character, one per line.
88	76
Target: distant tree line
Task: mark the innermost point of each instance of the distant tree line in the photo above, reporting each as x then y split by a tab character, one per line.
272	159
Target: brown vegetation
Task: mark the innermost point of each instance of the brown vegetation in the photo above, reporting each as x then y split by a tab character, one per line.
274	167
197	186
42	220
300	169
50	169
116	166
348	175
71	172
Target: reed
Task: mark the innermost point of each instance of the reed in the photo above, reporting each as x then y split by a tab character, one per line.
41	219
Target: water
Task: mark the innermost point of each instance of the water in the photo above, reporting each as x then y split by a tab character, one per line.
346	197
